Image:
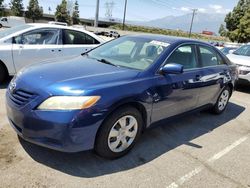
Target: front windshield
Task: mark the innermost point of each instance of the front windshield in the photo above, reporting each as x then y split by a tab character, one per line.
243	50
130	52
12	30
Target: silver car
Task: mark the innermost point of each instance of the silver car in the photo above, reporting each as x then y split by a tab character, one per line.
33	43
241	57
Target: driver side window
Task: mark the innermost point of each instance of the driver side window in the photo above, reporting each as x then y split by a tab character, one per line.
184	55
38	37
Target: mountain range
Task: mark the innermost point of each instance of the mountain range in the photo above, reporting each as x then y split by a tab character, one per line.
202	21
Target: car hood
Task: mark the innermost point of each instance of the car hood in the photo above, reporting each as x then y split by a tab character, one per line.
73	76
239	59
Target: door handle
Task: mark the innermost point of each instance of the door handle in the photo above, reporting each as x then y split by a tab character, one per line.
198	77
59	50
52	50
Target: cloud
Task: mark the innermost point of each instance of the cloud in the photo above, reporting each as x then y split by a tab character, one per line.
185	9
218	9
189	9
212	8
202	10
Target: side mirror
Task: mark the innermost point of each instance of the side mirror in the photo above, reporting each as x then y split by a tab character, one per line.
231	51
172	68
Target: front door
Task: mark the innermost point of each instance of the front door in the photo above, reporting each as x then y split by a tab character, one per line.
177	93
36	46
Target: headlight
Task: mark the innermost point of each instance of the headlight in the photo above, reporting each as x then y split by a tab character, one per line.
68	102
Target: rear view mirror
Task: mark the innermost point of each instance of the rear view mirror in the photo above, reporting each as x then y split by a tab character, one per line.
172	68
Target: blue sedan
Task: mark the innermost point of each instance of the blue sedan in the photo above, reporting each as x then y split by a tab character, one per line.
105	98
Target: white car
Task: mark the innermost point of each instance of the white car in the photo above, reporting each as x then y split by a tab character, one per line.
241	57
11	21
32	43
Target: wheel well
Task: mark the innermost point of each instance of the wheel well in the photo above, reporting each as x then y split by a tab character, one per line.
230	85
4	66
136	105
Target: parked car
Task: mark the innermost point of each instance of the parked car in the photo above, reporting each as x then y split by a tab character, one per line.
228	50
114	34
32	43
107	97
103	33
11	21
241	57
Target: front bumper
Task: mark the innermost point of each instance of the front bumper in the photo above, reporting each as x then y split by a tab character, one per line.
67	131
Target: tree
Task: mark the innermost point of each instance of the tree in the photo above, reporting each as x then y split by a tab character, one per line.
1	8
34	10
222	31
16	7
75	15
244	28
62	14
233	21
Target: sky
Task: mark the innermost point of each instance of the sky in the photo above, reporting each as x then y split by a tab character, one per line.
144	10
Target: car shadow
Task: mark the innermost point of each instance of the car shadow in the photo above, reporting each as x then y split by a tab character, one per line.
153	143
243	87
5	84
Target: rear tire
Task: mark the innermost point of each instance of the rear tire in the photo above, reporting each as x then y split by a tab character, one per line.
119	133
3	73
1	25
222	101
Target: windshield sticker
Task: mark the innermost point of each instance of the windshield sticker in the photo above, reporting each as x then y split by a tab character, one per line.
159	43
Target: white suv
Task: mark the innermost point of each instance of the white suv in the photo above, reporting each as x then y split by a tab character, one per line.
33	43
241	57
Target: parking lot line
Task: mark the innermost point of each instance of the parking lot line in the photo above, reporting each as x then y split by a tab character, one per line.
215	157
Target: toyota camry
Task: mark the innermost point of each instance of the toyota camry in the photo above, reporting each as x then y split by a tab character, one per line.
106	98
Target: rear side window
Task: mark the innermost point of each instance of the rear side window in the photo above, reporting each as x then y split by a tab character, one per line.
209	57
71	37
184	55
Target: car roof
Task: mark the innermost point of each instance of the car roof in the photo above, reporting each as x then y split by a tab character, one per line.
40	25
168	39
45	25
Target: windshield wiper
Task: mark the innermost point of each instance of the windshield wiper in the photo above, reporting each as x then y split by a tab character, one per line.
84	53
106	62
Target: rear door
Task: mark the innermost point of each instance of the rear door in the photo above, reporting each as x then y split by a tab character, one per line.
75	42
36	46
215	73
178	93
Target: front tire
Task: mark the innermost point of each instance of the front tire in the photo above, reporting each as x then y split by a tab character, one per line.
222	101
119	133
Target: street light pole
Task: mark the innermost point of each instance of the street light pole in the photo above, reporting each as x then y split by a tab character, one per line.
96	13
191	25
124	16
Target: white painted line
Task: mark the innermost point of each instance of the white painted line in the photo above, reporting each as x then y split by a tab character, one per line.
227	149
215	157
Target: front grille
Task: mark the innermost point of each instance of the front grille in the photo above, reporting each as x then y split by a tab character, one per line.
21	97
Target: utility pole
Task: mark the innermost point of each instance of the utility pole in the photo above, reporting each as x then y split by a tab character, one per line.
190	31
96	13
124	16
